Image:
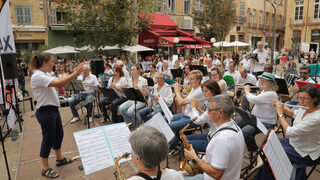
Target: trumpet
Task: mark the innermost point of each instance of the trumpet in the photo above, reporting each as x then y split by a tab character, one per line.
200	100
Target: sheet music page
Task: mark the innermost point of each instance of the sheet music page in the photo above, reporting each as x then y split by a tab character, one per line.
118	139
277	157
158	122
94	150
165	109
261	127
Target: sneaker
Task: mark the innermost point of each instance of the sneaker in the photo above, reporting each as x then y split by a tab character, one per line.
74	119
172	153
90	119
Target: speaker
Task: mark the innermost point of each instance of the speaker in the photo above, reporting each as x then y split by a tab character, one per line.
97	66
9	66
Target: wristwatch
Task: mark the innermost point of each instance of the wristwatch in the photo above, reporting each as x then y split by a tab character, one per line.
194	161
281	115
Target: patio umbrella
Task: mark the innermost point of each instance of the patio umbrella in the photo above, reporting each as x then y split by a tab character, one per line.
137	48
222	43
62	50
111	47
239	44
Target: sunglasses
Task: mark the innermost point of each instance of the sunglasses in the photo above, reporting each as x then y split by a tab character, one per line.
304	72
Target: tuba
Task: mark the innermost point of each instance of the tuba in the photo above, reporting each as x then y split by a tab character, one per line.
119	173
192	169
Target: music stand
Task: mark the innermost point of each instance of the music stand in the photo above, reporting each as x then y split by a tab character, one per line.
282	86
109	92
254	56
134	95
200	68
75	86
150	81
176	73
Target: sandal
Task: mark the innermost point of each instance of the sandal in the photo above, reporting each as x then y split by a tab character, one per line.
63	161
49	173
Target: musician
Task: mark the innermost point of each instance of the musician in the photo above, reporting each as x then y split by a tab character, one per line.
199	142
263	55
225	149
90	83
302	142
244	78
153	71
216	62
180	120
116	82
209	64
43	88
227	61
246	62
233	72
149	148
184	78
264	112
127	109
165	69
217	75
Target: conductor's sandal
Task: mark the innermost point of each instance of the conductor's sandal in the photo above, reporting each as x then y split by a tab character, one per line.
63	161
49	173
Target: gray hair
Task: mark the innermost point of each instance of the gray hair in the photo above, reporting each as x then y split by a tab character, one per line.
223	102
86	66
161	74
150	145
273	86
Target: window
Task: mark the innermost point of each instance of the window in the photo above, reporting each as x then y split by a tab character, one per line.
171	5
296	36
242	16
53	16
279	22
266	18
232	38
260	19
298	12
160	6
316	13
198	5
60	17
186	6
23	15
187	24
315	35
253	17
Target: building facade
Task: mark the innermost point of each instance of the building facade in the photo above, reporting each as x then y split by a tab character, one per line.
29	24
254	19
303	22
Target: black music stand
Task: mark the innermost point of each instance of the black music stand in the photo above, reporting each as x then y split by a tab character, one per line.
283	88
75	86
150	81
109	92
134	95
203	69
176	73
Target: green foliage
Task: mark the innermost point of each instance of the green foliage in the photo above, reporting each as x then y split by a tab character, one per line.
216	19
27	56
43	48
108	22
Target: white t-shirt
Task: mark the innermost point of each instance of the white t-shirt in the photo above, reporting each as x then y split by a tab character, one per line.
171	64
216	62
235	74
249	79
196	94
304	62
141	82
43	94
159	66
262	56
90	83
122	82
225	151
246	63
226	62
169	174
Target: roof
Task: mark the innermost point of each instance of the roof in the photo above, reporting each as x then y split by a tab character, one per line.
161	20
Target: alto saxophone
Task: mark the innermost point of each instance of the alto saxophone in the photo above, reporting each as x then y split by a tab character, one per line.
119	173
192	169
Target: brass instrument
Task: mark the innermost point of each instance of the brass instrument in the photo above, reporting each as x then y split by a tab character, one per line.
119	173
192	169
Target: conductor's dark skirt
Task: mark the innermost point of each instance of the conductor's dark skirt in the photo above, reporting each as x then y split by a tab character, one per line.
51	126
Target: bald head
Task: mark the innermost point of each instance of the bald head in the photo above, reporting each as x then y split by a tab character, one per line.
243	72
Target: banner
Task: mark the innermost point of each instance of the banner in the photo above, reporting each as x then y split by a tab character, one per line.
6	34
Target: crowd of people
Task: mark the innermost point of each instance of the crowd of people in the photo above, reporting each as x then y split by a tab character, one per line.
204	93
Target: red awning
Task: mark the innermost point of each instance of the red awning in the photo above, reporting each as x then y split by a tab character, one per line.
186	39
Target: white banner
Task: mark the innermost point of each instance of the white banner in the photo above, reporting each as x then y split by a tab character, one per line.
6	34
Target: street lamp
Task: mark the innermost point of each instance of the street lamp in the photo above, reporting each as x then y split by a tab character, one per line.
213	40
274	28
176	41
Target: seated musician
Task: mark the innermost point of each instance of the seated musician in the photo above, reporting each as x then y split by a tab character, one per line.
303	137
90	83
149	148
217	75
233	72
127	109
116	82
160	89
225	149
264	112
180	120
244	78
199	142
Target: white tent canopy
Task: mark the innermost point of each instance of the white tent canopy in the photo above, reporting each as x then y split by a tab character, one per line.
222	43
137	48
111	47
238	43
61	50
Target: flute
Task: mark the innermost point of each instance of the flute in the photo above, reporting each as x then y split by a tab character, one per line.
200	100
289	105
180	85
242	86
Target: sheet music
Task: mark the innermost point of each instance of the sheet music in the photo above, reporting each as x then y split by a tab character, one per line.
165	109
94	150
261	127
158	122
118	137
99	146
277	157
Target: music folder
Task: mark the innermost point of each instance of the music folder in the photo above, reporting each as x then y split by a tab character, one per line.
150	81
246	116
75	85
176	73
133	94
282	86
203	69
110	93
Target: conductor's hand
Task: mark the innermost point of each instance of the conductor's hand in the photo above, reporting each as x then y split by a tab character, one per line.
190	154
194	103
79	68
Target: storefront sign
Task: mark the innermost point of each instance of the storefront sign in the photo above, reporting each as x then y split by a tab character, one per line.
164	43
197	46
25	34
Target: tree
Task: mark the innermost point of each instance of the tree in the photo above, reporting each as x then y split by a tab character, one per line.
105	22
215	19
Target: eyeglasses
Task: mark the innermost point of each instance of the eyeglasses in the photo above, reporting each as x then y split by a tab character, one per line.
303	99
214	109
304	72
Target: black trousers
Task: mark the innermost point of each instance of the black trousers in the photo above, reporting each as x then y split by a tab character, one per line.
52	131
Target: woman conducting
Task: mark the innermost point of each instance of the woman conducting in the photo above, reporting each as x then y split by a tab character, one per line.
43	88
149	148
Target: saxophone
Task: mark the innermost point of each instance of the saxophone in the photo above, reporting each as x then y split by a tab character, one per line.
119	173
192	169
